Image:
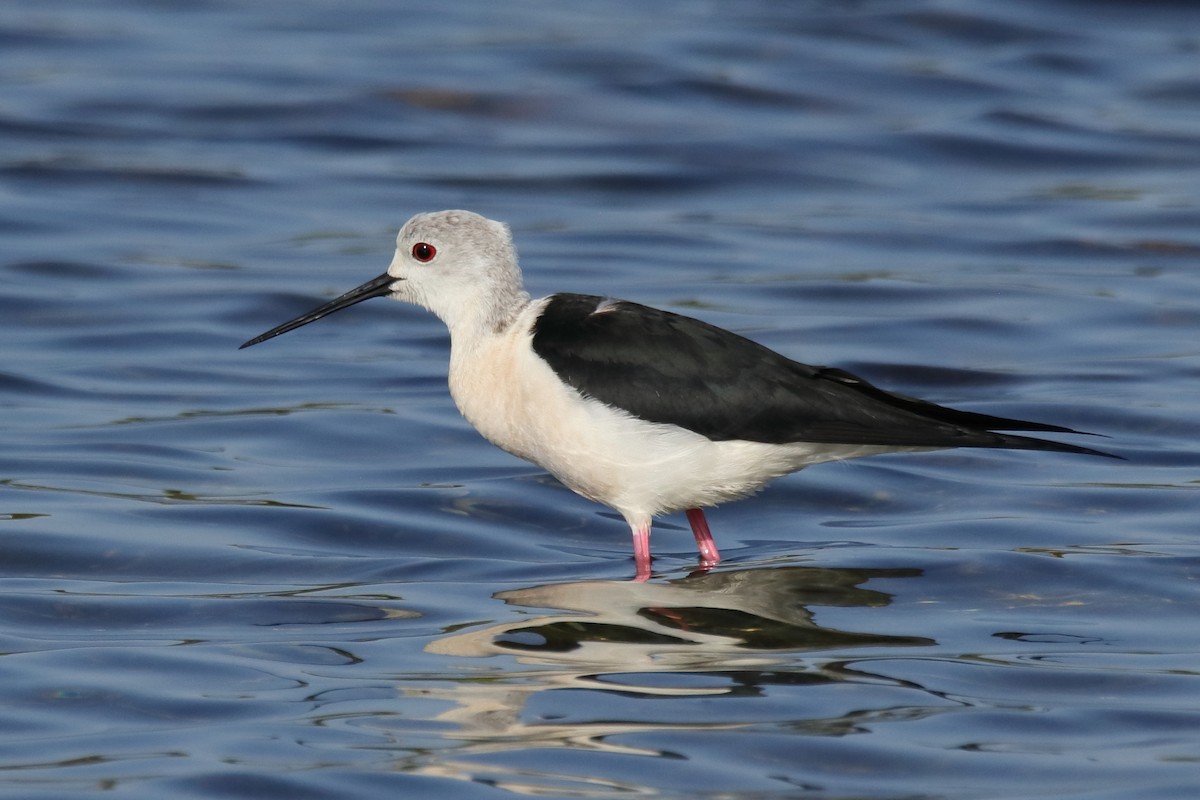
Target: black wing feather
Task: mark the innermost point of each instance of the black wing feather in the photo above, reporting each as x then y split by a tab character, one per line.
668	368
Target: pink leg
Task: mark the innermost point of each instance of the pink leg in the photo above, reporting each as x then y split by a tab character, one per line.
709	557
641	550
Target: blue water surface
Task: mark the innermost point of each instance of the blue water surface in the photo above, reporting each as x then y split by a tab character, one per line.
295	572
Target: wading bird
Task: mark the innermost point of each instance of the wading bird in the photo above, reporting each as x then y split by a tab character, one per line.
645	411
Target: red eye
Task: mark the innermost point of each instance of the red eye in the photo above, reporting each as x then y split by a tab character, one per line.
423	251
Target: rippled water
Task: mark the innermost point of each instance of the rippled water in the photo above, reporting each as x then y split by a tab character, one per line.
295	572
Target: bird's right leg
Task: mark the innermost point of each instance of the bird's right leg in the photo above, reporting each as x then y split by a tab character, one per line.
709	555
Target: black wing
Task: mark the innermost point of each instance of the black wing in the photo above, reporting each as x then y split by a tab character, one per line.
664	367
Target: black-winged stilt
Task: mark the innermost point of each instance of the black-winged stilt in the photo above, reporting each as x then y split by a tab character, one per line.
645	411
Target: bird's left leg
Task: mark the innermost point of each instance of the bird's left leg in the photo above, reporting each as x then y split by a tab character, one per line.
709	556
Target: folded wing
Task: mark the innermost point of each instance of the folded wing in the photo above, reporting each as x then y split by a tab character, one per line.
667	368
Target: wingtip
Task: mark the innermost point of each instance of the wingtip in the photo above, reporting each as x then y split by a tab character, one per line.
1049	445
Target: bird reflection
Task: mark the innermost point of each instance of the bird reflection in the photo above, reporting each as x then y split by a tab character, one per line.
756	610
727	634
716	621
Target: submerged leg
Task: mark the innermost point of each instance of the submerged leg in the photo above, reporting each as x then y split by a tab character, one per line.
709	557
641	549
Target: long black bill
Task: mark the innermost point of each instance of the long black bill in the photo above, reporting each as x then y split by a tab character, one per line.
376	287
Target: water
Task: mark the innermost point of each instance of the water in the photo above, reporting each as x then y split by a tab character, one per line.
295	572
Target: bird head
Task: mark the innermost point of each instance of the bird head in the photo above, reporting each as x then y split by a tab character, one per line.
458	264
